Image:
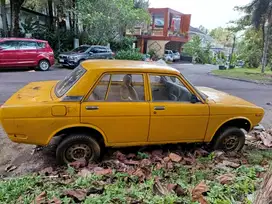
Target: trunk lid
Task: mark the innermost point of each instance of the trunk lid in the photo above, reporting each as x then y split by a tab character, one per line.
34	92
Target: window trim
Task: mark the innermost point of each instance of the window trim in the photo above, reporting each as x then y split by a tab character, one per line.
146	90
189	88
23	41
16	47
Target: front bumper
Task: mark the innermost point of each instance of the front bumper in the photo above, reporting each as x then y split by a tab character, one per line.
68	63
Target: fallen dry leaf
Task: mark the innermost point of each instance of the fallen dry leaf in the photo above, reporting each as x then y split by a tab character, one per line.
266	139
171	187
197	192
166	159
189	160
225	178
120	156
180	191
174	157
10	168
231	164
78	195
84	172
200	152
159	166
157	153
169	165
40	199
159	189
131	156
79	164
131	162
102	171
47	171
55	201
145	162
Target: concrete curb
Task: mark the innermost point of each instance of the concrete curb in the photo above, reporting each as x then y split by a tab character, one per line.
238	79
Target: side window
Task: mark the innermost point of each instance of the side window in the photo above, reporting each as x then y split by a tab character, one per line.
100	91
9	45
94	50
27	45
120	87
41	45
168	88
103	50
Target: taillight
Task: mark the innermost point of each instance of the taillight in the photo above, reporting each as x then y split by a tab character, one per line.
113	54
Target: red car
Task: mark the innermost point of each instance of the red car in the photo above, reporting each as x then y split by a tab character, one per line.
25	52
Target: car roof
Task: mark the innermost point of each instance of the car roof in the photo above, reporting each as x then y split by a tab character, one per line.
25	39
128	65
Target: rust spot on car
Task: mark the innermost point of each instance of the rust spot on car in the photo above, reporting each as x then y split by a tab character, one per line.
36	88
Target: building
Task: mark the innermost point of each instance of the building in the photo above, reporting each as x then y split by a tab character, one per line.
168	30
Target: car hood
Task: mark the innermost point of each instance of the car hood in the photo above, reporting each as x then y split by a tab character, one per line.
34	92
219	97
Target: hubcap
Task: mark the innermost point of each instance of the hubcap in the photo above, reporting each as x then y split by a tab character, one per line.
78	152
44	65
231	142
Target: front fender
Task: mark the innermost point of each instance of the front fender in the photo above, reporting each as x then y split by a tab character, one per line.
214	128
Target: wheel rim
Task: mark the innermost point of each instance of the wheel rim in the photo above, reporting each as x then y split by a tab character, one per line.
231	142
78	152
44	65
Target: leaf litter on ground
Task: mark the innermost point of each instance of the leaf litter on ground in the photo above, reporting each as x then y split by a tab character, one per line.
184	175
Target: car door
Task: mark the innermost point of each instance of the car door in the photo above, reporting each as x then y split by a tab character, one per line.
9	53
117	106
174	118
27	55
94	53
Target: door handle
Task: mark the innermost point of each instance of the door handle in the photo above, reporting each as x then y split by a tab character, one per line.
159	108
91	107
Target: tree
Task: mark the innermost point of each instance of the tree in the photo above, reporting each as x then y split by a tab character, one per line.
4	17
222	36
143	4
105	20
15	12
261	17
194	48
203	29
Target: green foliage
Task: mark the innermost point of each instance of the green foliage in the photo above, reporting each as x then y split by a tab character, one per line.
222	36
194	48
129	55
123	44
105	21
249	49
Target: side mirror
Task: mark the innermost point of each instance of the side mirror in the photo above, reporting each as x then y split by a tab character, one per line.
91	53
194	99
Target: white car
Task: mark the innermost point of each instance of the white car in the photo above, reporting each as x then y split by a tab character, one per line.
176	56
168	56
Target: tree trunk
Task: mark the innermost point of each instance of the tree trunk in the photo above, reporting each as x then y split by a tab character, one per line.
266	45
4	18
265	193
15	16
51	16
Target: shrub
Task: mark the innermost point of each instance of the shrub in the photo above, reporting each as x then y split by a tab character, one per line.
129	55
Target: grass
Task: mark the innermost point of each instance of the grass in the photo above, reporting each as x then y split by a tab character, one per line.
247	74
124	188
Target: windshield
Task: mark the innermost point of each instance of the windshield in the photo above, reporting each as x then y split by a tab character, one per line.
63	86
204	96
81	49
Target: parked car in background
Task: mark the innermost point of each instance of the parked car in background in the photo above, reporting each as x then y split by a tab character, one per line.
25	52
240	63
84	52
176	55
168	55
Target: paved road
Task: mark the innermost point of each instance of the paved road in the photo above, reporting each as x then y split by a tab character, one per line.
197	74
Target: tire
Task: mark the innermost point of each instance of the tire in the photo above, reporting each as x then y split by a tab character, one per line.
233	137
44	65
66	151
79	62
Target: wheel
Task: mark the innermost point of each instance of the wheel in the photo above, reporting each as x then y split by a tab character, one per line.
79	62
44	65
231	139
78	147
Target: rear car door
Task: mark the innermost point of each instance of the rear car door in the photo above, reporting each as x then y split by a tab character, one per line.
9	53
27	55
94	53
117	106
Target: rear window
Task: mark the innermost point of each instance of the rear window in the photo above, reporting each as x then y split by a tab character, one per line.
67	83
